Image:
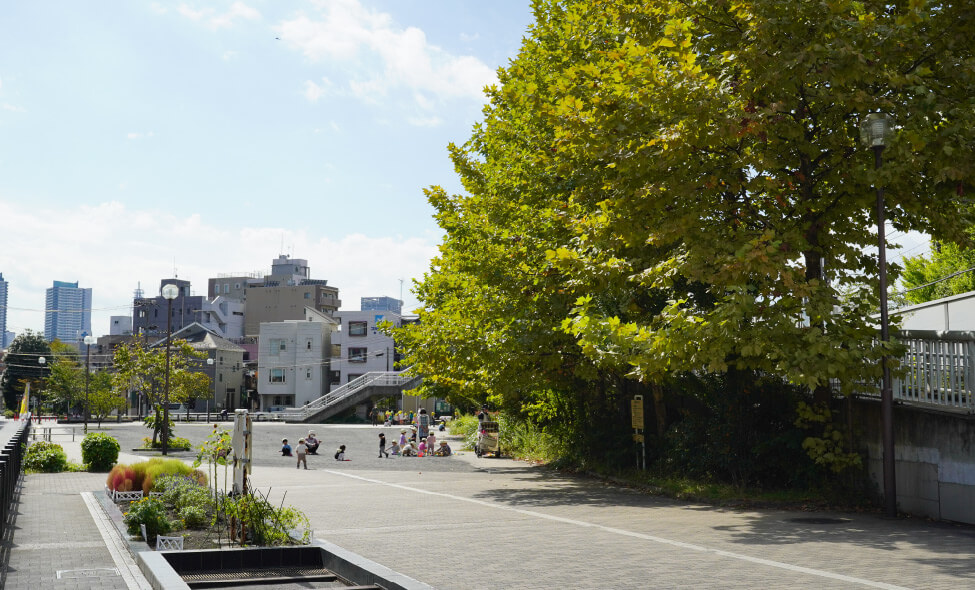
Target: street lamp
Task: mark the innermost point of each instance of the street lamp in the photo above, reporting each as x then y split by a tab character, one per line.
89	340
41	361
214	384
874	130
169	292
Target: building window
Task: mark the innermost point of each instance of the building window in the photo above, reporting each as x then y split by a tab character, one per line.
278	345
226	288
335	377
337	351
358	328
220	377
277	376
308	344
357	355
307	295
307	374
354	376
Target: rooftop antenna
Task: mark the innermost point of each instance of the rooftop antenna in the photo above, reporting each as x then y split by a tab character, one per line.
138	290
175	274
401	291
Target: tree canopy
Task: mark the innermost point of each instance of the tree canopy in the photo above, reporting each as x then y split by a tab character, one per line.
21	365
947	271
678	185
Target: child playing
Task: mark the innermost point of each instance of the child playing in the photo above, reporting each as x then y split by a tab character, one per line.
301	450
423	447
402	437
285	448
431	442
394	448
407	450
340	454
444	450
382	446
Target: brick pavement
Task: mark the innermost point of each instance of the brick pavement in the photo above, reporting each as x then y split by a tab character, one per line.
503	524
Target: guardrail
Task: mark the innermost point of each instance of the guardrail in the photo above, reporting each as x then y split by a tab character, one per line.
371	379
938	369
11	461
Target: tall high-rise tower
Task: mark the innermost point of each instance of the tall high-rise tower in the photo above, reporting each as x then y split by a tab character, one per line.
3	312
67	315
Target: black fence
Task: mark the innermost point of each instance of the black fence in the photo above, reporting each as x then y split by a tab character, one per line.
11	461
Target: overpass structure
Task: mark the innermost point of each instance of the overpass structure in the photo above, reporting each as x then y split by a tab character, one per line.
376	384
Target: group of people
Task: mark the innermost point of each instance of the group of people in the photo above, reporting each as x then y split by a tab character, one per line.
306	446
409	447
421	443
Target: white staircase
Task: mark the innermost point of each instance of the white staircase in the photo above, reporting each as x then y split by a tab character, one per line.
373	384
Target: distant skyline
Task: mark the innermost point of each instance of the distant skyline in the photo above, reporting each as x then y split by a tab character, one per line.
140	137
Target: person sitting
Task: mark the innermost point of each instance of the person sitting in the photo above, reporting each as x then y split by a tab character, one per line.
339	453
394	448
407	450
285	448
422	448
444	450
312	443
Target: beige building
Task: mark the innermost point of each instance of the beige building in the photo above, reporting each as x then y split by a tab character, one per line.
278	304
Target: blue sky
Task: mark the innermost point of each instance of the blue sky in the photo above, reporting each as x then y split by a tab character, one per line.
209	137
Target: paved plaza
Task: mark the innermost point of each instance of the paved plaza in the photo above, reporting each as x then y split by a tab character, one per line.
464	522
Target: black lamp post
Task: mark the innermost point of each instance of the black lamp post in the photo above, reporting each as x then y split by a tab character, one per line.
874	130
169	292
89	340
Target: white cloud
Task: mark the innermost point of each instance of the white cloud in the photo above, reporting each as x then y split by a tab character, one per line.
13	108
433	121
348	33
229	55
468	38
313	91
219	20
114	262
134	135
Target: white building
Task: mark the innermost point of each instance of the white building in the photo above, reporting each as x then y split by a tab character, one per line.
359	347
293	360
223	315
120	325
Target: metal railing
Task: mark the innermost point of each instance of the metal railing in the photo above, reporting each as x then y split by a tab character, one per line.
937	369
11	461
372	379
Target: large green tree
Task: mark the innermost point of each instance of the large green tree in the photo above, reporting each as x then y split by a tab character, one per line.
678	185
21	365
947	271
140	367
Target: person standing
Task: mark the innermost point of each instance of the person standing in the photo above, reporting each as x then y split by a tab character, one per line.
382	446
301	450
423	424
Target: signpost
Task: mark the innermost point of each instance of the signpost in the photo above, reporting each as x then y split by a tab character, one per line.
636	418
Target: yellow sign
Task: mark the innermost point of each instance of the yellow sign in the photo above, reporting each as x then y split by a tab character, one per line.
636	411
637	438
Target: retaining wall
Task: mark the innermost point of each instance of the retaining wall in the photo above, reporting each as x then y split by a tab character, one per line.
934	452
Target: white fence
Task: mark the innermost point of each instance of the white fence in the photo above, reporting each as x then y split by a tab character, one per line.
938	369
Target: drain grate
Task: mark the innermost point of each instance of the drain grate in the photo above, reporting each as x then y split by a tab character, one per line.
101	572
203	579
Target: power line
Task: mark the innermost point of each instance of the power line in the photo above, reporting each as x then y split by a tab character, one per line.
936	281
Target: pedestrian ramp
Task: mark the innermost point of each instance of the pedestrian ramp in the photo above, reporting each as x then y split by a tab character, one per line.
375	384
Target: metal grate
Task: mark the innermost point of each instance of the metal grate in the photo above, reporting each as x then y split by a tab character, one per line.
202	579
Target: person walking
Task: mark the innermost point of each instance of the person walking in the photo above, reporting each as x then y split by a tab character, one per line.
382	446
302	451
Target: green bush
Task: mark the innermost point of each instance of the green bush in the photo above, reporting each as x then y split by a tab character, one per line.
8	414
466	426
45	456
194	517
176	443
99	451
265	524
150	512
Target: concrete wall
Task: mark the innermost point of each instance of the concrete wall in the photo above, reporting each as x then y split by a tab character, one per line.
955	313
934	454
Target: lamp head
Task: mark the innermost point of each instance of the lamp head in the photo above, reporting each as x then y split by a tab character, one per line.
170	291
89	340
874	130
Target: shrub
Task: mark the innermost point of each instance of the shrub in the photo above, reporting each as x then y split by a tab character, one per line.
265	524
45	456
150	512
181	491
121	479
194	517
8	414
176	443
99	451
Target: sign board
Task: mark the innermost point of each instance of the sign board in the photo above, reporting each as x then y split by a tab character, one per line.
638	438
636	411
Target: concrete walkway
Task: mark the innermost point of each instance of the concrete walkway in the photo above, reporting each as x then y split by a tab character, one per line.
505	524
